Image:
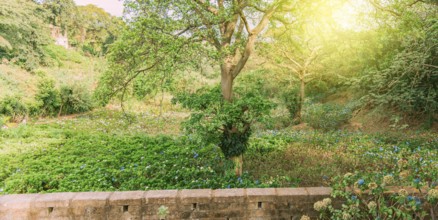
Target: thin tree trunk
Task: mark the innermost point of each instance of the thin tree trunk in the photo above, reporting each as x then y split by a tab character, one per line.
238	165
301	100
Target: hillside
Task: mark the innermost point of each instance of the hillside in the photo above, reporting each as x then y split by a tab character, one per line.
71	68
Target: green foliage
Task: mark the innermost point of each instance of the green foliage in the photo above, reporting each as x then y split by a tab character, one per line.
226	124
390	190
291	100
101	162
60	12
93	30
75	99
409	81
99	151
14	107
59	54
23	33
48	97
326	116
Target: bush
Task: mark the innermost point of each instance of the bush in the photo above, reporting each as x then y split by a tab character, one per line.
326	116
403	188
48	97
223	123
291	100
75	99
14	107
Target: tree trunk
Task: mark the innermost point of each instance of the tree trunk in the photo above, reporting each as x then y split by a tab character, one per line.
227	93
301	100
227	82
238	165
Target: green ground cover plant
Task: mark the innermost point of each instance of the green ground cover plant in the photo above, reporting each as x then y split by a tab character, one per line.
88	153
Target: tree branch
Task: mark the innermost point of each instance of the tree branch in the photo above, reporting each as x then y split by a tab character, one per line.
207	7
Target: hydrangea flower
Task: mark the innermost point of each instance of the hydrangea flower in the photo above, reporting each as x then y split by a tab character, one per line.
305	217
401	163
319	206
327	201
346	216
403	192
360	182
432	194
404	174
372	205
372	185
388	180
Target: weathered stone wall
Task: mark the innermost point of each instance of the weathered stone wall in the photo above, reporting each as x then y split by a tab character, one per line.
223	204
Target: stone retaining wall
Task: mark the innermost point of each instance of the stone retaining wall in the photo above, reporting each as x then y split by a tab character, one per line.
223	204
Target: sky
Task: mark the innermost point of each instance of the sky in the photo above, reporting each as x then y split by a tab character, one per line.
114	7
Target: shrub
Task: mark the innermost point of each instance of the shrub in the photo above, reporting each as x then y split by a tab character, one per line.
226	124
48	97
326	116
291	100
14	107
374	195
75	99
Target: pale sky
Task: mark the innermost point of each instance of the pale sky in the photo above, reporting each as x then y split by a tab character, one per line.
114	7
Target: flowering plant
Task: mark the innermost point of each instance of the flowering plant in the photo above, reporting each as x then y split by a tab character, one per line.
405	189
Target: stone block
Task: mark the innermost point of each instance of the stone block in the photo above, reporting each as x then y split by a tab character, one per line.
90	205
229	195
161	196
261	195
229	214
53	206
126	205
195	196
16	206
319	191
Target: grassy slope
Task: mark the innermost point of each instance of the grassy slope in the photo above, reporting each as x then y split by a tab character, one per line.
68	67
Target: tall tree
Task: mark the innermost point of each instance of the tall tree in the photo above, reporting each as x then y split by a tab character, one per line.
165	34
61	12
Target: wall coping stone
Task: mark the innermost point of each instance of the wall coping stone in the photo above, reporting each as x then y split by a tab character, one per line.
251	203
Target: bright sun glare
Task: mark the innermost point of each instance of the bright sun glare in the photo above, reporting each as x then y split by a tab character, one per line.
347	15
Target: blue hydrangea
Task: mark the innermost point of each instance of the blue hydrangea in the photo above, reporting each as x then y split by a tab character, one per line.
361	182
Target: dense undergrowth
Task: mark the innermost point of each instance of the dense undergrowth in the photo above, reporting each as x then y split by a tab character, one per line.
109	155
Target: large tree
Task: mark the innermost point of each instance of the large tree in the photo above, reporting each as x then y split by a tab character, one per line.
165	35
